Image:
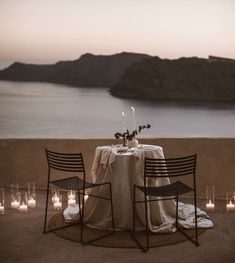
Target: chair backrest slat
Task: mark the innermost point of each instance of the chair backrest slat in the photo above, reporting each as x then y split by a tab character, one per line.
171	167
71	162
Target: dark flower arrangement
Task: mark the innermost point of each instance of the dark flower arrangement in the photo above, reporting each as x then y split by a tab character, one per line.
131	135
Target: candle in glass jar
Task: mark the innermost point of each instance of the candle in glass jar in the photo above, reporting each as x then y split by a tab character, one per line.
85	197
57	205
230	206
210	206
71	195
1	209
23	208
31	203
15	204
55	198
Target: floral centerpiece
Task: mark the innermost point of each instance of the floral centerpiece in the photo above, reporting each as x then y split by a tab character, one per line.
130	136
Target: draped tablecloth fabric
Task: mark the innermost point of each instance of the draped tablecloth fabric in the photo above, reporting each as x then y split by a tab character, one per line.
124	168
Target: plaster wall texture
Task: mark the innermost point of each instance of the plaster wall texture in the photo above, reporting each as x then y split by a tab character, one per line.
24	160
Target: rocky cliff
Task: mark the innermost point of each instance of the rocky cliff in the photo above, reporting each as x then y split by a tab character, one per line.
187	79
139	76
88	70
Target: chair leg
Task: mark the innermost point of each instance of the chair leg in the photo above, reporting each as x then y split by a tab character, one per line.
176	212
82	221
79	205
146	223
144	249
82	217
195	214
180	230
45	219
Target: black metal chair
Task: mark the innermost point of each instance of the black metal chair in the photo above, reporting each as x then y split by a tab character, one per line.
73	163
157	168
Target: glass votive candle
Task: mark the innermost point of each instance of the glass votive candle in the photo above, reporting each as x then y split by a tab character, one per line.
54	194
57	201
71	197
31	202
230	206
210	198
2	201
31	195
210	207
71	194
86	195
15	202
23	207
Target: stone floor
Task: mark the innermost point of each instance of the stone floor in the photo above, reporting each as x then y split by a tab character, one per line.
22	240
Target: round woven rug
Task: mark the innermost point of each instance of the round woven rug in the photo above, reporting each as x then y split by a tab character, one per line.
120	239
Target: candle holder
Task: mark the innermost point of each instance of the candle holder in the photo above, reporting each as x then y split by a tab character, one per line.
210	198
53	195
15	196
87	192
31	195
71	197
23	207
230	202
2	201
57	200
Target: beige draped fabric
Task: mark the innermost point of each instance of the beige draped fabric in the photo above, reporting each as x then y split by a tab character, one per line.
124	168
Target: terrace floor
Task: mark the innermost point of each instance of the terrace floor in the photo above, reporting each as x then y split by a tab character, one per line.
22	240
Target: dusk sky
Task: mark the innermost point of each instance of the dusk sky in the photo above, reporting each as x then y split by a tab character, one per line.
46	31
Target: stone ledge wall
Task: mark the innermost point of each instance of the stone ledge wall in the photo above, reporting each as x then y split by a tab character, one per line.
24	160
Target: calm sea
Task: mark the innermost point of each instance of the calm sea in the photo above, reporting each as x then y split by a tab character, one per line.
42	110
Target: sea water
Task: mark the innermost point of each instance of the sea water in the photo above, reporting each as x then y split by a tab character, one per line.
44	110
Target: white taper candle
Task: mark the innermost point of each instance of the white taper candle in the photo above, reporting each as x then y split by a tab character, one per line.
133	113
124	121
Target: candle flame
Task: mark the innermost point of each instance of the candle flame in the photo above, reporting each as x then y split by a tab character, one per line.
123	114
132	108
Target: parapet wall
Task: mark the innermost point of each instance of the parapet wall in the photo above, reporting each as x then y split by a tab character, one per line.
24	160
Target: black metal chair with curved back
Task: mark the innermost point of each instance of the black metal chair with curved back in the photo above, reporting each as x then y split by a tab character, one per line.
73	163
171	167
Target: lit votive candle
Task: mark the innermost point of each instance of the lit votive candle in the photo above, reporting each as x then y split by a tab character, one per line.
31	203
71	201
55	199
58	205
71	195
85	197
23	208
1	209
15	204
210	206
230	207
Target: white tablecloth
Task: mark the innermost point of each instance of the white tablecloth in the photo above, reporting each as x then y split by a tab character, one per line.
123	170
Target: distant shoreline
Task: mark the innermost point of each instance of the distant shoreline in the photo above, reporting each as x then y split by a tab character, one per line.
139	76
167	103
